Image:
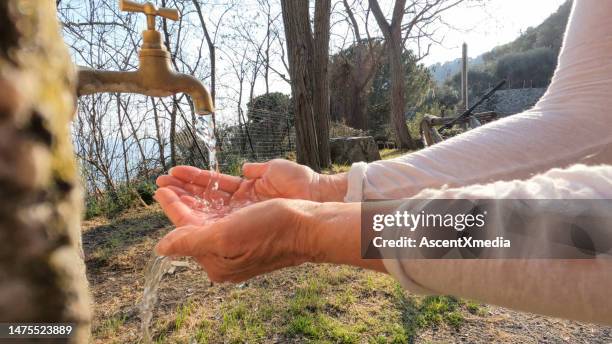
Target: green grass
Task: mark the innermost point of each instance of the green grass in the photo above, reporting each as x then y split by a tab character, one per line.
430	311
475	307
182	314
328	307
307	298
110	325
246	317
110	246
202	332
315	304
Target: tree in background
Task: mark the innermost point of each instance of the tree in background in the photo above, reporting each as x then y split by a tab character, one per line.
417	84
364	102
480	80
534	67
422	15
308	61
351	71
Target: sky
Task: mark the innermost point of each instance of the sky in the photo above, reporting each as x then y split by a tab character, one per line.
497	22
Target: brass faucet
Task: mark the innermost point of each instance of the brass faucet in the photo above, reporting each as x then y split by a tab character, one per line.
155	76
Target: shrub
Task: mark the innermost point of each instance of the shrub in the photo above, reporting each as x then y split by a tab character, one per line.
146	190
110	204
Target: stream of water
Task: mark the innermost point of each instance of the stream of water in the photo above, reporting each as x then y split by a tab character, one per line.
158	265
154	272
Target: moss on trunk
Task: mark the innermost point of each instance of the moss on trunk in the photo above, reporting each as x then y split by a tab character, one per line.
42	275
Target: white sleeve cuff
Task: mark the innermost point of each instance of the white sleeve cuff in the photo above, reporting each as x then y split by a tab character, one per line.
355	178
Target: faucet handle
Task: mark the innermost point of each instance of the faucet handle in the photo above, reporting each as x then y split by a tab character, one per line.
150	10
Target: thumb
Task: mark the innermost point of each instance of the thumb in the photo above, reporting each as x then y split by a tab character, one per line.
186	241
254	170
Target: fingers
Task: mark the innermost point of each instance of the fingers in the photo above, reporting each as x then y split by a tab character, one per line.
254	170
190	175
166	180
188	241
177	211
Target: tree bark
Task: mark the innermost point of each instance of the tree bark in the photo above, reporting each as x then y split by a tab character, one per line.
320	92
398	97
42	274
300	46
359	77
394	46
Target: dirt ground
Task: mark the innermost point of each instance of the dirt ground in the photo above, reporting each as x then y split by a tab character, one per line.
320	304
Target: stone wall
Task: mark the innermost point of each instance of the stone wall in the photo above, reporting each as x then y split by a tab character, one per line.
511	101
347	150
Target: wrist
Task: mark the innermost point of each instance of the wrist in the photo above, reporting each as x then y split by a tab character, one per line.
331	187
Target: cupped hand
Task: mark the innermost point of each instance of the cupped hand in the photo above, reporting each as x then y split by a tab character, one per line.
256	239
262	181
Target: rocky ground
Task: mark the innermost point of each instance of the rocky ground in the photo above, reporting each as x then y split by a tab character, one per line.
331	304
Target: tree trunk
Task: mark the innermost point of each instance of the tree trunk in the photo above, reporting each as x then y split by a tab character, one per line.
320	92
359	77
299	45
402	135
394	45
357	106
42	274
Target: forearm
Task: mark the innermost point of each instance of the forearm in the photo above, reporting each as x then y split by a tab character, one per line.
335	236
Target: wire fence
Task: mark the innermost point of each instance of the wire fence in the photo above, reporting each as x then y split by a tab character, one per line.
265	135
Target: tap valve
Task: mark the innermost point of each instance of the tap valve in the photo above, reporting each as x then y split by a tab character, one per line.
151	38
150	10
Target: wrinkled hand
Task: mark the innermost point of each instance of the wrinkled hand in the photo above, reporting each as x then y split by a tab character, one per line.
271	234
262	181
259	238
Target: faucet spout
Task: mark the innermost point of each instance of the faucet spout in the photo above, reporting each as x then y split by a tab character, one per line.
155	76
160	83
202	102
